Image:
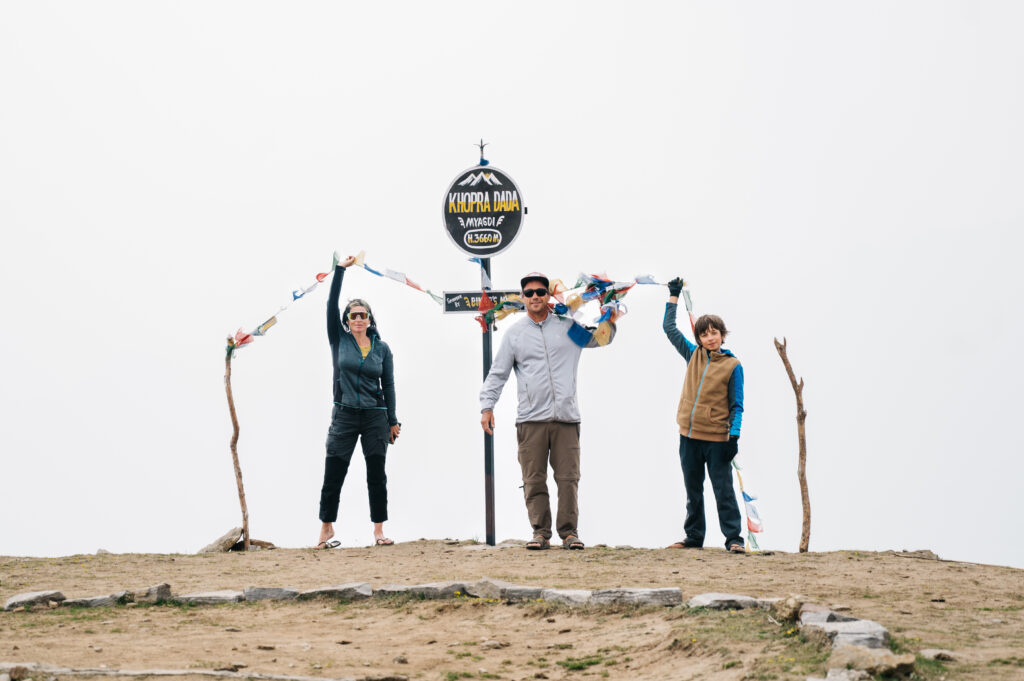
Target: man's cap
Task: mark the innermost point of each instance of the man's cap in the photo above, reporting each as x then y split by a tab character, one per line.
534	276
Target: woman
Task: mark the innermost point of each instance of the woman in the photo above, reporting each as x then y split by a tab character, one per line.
364	409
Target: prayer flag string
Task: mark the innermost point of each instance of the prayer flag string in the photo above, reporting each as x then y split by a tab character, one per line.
754	524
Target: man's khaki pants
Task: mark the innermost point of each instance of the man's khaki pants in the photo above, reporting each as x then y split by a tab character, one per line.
562	440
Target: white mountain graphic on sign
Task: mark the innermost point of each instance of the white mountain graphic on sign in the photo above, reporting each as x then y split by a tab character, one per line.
473	180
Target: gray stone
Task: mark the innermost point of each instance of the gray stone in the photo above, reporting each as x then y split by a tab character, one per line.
843	675
871	660
225	543
663	596
350	591
786	609
937	654
158	593
211	597
864	633
118	598
5	677
567	596
33	598
720	601
496	588
822	616
102	552
263	593
431	591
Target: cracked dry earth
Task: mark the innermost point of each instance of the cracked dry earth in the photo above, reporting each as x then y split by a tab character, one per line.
977	611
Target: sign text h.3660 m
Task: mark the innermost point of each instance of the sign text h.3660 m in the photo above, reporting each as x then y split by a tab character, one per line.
483	211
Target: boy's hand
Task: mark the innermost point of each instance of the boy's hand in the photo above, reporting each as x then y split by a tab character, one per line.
733	446
675	287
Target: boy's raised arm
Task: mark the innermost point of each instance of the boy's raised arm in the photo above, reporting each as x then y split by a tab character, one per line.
668	324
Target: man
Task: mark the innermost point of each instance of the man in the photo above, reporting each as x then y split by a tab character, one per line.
545	359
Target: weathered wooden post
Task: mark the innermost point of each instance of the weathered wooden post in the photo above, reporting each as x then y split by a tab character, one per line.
801	416
234	442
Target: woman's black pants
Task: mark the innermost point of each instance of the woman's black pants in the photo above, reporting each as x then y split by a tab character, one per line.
348	424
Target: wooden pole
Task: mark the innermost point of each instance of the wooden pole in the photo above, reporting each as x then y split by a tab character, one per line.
801	416
234	444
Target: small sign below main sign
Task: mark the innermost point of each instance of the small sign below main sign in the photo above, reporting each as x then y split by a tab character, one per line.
483	211
469	301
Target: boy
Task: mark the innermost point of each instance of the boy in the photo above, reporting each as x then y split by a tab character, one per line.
709	416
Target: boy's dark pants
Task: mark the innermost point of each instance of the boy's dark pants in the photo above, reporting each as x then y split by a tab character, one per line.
370	426
694	455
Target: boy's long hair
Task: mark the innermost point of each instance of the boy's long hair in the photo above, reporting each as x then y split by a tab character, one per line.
705	322
371	330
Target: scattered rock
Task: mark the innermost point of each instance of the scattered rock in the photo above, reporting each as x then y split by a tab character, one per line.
351	591
843	675
841	608
119	598
223	544
154	594
865	633
5	677
32	598
233	630
871	660
923	554
102	552
212	597
494	645
787	609
496	588
567	596
825	615
18	673
663	596
227	668
431	591
97	649
265	647
260	593
402	659
937	654
720	601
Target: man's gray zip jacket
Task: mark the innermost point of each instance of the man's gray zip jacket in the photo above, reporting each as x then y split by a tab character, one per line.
360	383
545	361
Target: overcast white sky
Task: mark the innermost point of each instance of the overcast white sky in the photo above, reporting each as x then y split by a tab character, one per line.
847	175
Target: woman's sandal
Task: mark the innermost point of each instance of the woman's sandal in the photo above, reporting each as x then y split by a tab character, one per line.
573	543
538	543
329	544
384	541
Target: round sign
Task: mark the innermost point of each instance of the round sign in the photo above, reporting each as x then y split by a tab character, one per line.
483	211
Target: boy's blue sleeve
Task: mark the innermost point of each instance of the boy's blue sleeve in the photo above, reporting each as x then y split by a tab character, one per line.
678	340
736	400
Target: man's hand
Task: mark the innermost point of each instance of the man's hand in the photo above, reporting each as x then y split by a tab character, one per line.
732	447
395	430
675	287
487	421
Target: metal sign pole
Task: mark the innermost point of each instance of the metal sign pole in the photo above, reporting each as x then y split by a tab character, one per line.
485	274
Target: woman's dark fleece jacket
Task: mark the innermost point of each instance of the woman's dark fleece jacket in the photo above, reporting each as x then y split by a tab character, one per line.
359	383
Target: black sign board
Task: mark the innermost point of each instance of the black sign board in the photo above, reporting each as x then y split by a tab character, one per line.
483	211
469	301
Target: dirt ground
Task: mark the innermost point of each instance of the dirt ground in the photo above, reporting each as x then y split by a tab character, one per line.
977	611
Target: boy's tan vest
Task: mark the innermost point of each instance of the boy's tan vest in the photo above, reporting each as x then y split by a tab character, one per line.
710	419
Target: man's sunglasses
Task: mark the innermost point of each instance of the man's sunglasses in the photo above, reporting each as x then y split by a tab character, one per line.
531	292
352	316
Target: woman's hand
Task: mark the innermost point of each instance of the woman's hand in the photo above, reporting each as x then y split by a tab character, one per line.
348	262
395	430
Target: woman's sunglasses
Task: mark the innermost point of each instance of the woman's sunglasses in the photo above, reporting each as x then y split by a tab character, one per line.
531	292
352	316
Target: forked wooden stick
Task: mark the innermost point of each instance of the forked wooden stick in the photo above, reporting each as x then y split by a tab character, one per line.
801	415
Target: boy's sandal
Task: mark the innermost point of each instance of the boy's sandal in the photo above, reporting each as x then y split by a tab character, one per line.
737	548
684	545
384	541
538	543
331	544
572	542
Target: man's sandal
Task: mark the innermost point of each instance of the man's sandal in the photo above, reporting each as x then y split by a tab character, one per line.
737	548
573	543
538	543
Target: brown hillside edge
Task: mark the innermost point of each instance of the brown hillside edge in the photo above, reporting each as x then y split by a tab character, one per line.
974	611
